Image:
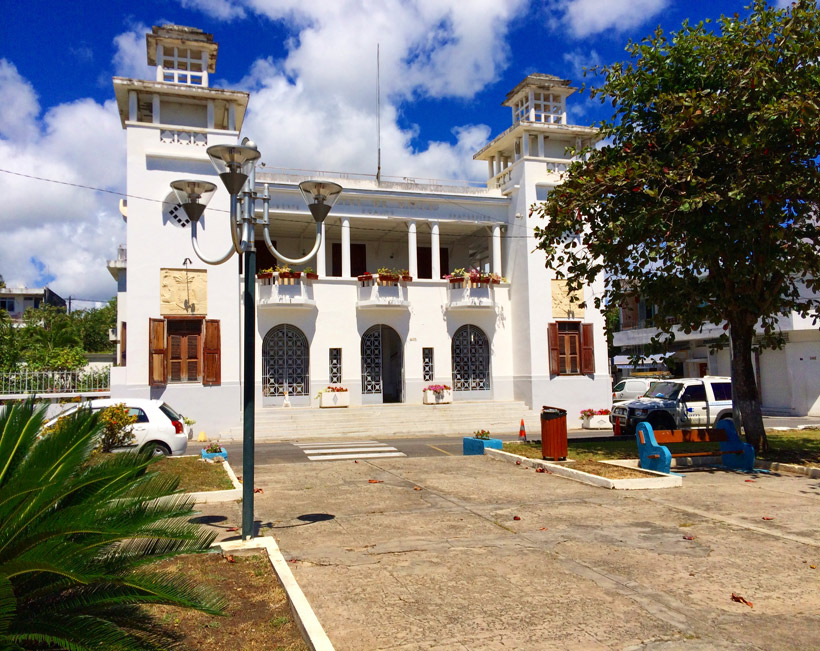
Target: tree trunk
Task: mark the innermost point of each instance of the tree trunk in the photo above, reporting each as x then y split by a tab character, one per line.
744	387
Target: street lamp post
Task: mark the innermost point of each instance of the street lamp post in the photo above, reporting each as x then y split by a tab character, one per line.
236	166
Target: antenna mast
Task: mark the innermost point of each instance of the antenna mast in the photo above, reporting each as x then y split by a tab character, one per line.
379	117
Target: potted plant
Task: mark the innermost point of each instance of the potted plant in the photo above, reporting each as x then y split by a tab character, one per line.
437	394
387	276
365	278
333	396
265	273
456	277
475	444
287	275
405	276
310	274
214	451
478	278
595	419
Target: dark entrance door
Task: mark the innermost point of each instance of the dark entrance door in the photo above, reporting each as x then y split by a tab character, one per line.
358	259
382	363
424	257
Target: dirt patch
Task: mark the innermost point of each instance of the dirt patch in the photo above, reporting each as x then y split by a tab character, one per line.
608	470
258	613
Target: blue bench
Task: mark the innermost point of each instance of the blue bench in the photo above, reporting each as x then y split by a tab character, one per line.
656	456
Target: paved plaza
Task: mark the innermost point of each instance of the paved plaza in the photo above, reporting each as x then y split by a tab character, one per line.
433	557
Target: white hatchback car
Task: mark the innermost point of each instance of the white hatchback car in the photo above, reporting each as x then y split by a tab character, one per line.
632	387
158	427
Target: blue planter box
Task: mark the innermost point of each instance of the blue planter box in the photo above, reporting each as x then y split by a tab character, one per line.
474	446
213	455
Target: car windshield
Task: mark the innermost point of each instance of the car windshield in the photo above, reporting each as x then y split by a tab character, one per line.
168	411
668	390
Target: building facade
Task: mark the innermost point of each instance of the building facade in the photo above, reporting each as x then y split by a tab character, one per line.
507	333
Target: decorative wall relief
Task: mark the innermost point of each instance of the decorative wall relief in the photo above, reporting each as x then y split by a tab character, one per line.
562	307
183	291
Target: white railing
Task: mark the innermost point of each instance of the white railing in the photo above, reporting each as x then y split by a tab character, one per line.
470	295
183	137
373	293
26	382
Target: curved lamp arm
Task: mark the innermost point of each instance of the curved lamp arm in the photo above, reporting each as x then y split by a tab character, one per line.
279	256
199	254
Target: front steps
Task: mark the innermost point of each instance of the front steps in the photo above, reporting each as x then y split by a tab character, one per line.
372	421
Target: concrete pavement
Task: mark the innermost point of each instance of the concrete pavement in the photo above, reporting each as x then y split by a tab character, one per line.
387	566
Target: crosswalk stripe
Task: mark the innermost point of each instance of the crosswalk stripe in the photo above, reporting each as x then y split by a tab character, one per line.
339	457
337	450
336	445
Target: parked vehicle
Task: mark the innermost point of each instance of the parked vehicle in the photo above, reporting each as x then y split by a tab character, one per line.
678	404
158	427
631	387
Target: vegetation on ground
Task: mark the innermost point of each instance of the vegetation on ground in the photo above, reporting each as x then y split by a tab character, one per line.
258	613
194	474
78	539
702	199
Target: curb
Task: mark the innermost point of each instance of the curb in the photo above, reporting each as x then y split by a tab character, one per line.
306	619
808	471
229	495
658	480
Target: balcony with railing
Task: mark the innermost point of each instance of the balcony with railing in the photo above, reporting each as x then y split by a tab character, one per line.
463	293
382	292
285	289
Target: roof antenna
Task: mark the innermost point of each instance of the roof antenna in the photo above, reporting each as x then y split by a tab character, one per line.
379	117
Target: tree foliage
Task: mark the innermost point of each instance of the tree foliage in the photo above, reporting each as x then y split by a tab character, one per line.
77	540
704	197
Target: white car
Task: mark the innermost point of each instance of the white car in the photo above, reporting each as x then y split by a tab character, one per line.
158	427
632	387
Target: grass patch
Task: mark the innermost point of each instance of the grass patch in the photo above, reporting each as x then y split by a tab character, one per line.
800	447
258	614
194	474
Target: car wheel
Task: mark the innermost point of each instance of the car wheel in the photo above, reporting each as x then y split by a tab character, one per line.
156	448
661	421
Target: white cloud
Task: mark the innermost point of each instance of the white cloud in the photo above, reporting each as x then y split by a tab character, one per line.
54	230
587	17
130	55
220	9
18	104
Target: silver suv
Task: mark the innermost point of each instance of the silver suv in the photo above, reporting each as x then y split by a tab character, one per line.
678	404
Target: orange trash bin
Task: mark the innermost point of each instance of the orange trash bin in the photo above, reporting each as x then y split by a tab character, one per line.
553	433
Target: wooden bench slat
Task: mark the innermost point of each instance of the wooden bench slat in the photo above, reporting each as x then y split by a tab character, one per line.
713	453
690	435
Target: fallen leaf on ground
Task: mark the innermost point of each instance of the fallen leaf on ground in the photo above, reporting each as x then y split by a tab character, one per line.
540	470
375	481
814	567
741	600
416	488
239	479
230	559
542	529
750	481
516	517
768	517
517	463
258	490
232	529
355	461
688	537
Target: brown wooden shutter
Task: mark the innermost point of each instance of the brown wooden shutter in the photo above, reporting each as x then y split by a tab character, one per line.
211	356
175	358
587	349
123	339
192	358
156	353
552	338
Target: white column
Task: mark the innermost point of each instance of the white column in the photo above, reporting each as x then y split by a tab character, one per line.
321	256
499	164
497	249
345	247
210	114
541	145
525	144
435	254
412	252
231	117
160	63
531	112
205	68
132	105
563	109
491	167
155	109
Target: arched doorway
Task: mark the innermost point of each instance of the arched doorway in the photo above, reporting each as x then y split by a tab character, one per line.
382	365
471	359
285	363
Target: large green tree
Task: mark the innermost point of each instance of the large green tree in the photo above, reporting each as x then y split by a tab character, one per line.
704	196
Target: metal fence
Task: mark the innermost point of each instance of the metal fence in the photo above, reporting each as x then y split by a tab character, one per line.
25	382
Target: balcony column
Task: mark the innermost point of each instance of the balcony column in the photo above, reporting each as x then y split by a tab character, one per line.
525	144
155	109
496	240
321	256
345	247
490	165
435	253
211	119
541	145
132	105
412	251
160	62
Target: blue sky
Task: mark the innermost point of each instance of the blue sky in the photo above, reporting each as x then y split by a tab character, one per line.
446	66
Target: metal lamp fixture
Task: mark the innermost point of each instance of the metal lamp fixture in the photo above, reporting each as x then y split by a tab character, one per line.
236	166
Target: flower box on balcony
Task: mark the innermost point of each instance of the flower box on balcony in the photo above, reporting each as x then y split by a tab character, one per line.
329	399
289	277
311	276
365	278
388	279
407	279
264	274
456	281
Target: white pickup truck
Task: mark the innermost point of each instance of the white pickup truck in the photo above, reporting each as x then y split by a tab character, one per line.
678	404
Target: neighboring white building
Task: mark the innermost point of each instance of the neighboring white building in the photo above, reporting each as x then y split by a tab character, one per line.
16	300
788	379
179	319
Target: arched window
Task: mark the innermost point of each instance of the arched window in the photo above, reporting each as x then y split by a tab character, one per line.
285	362
471	359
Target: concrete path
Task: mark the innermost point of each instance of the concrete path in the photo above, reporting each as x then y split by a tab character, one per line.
387	566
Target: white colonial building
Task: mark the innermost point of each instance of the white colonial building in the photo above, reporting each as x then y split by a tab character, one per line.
512	338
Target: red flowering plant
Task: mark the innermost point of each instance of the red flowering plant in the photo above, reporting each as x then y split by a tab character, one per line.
589	413
438	389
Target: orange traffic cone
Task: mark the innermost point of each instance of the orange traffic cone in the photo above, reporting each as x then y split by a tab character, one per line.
522	433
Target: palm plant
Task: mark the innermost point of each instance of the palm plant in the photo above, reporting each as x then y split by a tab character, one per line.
77	540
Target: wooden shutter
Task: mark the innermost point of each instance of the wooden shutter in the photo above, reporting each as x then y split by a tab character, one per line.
175	358
211	357
587	349
123	340
156	353
552	338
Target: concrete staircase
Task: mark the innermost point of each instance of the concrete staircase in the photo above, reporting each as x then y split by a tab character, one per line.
372	421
